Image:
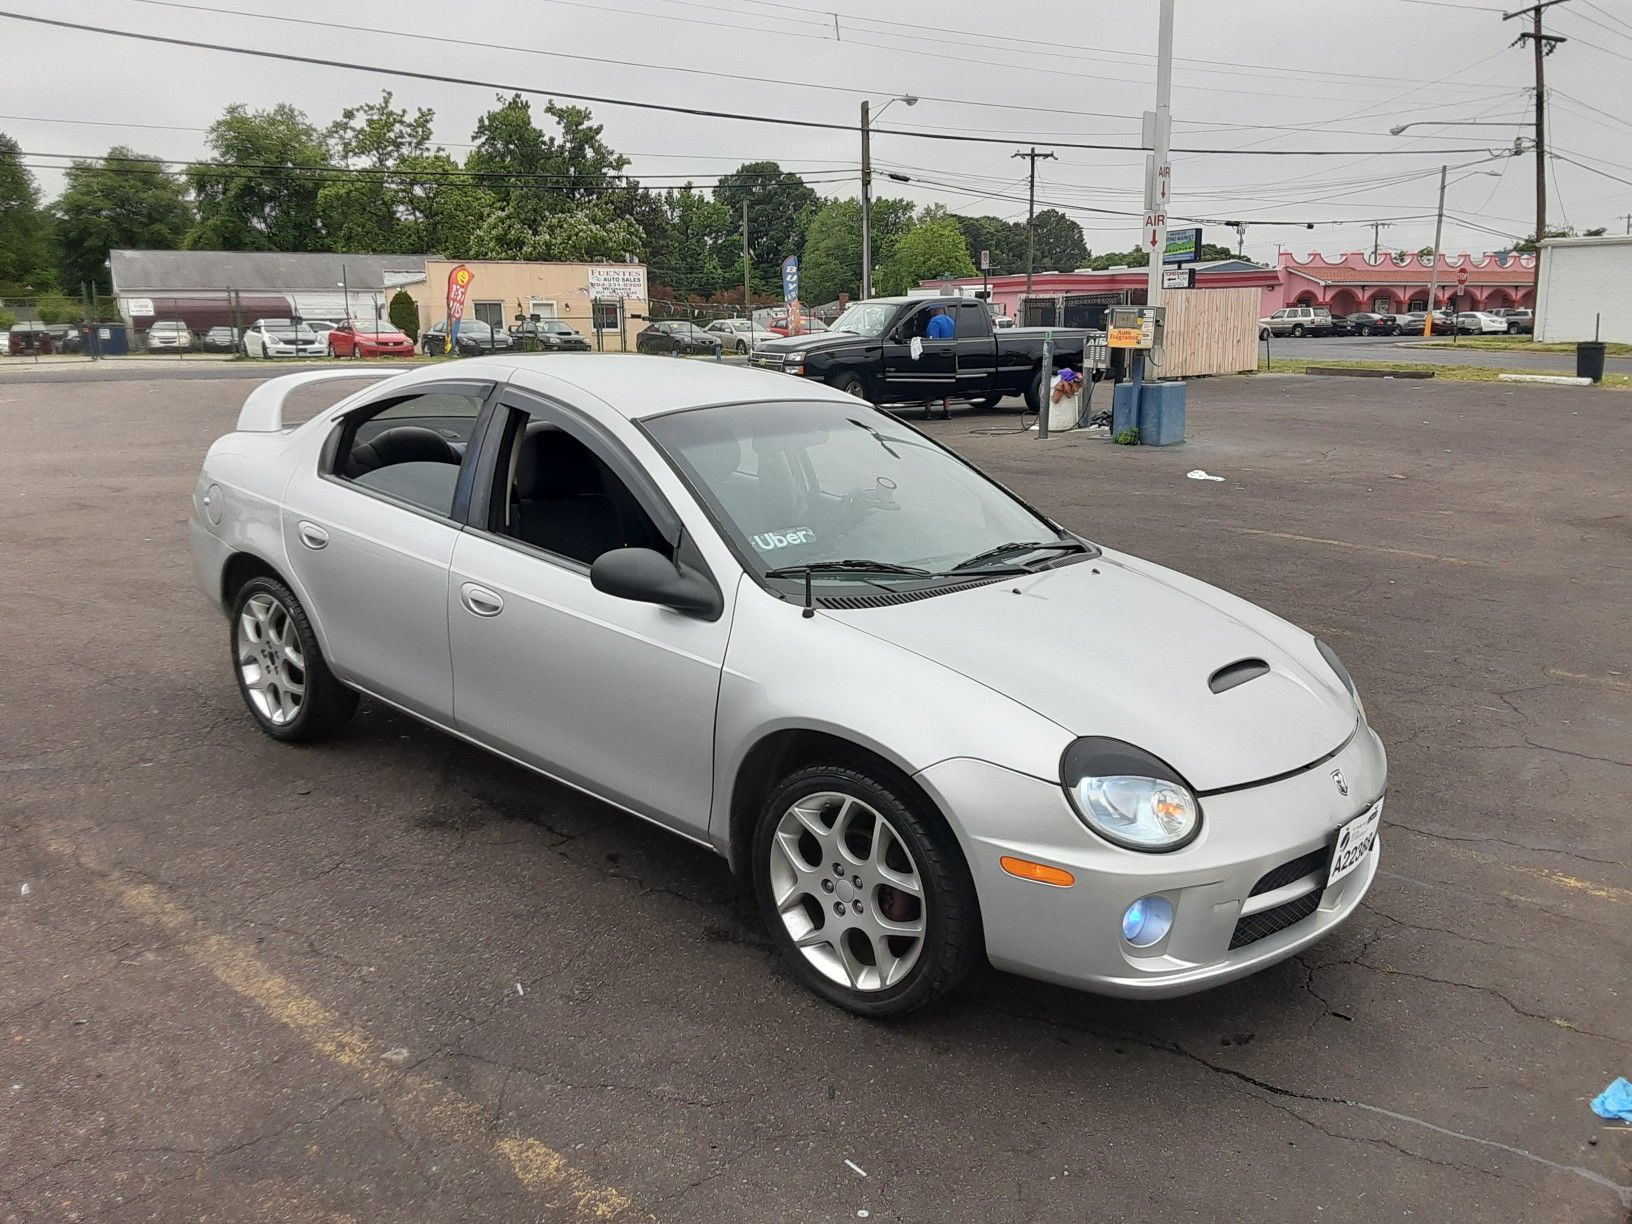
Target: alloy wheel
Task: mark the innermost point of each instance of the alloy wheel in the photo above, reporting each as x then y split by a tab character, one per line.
270	660
848	891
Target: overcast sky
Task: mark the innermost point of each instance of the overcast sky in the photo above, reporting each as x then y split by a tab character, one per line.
1338	74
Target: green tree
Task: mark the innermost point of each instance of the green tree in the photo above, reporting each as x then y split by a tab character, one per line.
409	197
57	307
533	173
831	262
691	244
259	193
404	314
123	200
1006	240
7	318
575	237
780	205
931	250
1060	247
25	238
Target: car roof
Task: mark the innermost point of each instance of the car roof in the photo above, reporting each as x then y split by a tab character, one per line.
636	385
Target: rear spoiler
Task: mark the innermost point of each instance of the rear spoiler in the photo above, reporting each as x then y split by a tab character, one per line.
263	409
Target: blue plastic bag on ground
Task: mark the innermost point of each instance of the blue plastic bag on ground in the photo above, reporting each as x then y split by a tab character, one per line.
1615	1101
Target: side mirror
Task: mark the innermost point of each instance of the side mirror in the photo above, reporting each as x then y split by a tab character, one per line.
647	576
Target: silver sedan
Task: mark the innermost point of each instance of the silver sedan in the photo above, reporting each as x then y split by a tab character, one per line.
923	721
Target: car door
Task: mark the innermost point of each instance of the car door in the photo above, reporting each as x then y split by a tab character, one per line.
975	362
913	374
370	549
613	696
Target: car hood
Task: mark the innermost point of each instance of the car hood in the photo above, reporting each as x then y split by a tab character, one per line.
809	343
1116	648
386	338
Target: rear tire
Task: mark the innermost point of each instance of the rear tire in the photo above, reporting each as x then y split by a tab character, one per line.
742	348
1297	330
281	673
989	402
827	826
1035	394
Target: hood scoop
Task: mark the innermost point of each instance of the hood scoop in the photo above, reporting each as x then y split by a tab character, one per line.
1237	673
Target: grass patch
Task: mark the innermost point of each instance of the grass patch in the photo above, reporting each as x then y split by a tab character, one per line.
1445	373
1521	344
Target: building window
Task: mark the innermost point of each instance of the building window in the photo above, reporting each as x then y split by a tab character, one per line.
540	308
491	313
606	316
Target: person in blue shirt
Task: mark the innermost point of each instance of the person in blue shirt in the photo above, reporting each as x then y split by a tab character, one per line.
940	327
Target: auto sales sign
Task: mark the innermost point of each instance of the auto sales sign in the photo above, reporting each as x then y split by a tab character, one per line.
458	290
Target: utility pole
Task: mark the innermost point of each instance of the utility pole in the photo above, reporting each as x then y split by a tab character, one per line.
1542	45
1628	220
1031	214
866	201
1376	243
747	307
1433	276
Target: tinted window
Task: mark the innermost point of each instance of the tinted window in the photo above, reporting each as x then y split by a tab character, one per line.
972	320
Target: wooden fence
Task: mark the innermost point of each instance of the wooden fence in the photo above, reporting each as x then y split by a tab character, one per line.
1210	331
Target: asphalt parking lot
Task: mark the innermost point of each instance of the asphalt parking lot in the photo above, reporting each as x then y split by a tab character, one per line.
392	978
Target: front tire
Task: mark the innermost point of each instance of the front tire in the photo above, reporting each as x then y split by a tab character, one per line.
867	898
742	348
851	384
281	673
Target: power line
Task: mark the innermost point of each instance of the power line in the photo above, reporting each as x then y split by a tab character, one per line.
669	108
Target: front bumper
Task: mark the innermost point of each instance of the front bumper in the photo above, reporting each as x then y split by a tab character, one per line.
1073	935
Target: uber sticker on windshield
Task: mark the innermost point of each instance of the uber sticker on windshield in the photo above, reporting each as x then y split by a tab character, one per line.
770	541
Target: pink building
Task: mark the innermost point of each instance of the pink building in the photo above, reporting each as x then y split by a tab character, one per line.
1394	284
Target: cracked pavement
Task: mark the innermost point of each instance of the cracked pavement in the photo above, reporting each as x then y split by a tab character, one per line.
393	978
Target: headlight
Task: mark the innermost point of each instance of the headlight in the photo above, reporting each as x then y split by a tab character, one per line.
1128	796
1336	664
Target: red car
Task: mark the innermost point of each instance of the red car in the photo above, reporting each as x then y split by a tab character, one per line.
354	339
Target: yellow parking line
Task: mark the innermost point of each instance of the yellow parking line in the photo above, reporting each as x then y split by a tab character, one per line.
538	1167
1376	548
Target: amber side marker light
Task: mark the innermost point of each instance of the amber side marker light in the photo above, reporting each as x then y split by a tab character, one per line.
1037	873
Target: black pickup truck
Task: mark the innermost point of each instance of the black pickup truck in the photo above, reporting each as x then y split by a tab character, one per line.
877	350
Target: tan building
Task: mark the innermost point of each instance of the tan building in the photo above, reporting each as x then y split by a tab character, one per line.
608	297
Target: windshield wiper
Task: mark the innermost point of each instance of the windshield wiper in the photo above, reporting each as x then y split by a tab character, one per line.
848	567
1020	546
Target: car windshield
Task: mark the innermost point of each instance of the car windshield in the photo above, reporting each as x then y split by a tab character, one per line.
289	329
796	484
865	318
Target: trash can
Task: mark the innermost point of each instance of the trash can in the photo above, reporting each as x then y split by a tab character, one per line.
1589	360
114	339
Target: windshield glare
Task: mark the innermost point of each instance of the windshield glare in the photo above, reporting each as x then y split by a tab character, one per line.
865	318
798	483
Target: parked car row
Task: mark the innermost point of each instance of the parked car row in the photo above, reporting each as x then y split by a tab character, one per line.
1317	321
31	338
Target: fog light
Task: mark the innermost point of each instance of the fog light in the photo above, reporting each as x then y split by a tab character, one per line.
1147	921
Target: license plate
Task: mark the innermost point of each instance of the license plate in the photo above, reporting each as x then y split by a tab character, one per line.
1354	842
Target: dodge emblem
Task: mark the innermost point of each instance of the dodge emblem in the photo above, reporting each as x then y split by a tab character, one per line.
1342	782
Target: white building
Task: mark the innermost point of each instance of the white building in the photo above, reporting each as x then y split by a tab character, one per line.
1586	290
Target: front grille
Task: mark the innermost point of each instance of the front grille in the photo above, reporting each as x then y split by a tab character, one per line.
1291	872
1265	923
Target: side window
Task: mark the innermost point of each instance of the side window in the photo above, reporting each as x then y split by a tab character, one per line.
916	324
971	319
563	497
411	449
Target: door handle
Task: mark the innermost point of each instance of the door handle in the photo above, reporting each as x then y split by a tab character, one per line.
312	535
480	600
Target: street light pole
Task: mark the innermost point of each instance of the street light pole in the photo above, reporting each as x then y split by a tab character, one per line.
867	188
